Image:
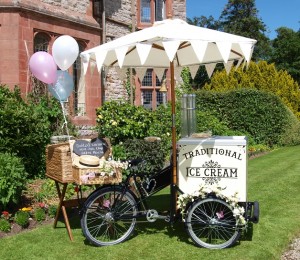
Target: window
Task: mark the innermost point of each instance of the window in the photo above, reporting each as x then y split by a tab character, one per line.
151	11
41	42
151	97
79	86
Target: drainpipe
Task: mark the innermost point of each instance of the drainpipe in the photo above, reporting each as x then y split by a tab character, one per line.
103	40
133	11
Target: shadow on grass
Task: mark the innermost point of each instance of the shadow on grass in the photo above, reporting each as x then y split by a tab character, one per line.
160	203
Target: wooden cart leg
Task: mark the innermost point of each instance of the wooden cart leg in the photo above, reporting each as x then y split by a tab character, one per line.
61	207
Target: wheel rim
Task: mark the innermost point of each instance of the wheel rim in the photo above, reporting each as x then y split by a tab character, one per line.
211	224
108	219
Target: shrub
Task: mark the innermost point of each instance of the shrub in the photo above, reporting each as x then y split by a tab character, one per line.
52	211
4	225
260	115
12	179
47	191
151	152
39	214
261	76
22	218
121	121
26	127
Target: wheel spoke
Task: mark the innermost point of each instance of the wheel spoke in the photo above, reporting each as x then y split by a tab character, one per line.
211	224
102	221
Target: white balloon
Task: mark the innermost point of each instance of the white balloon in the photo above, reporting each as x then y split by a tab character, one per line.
65	51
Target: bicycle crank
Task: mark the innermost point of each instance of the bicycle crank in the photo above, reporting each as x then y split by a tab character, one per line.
152	215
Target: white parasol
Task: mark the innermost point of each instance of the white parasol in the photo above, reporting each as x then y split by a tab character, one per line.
170	44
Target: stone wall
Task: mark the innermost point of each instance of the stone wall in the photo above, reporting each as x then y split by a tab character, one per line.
119	22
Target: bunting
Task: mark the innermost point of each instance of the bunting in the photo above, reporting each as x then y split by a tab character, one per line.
159	72
143	51
224	48
121	52
171	48
199	48
193	70
210	68
100	57
228	66
140	72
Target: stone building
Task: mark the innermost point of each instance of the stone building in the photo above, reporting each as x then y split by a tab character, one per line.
28	26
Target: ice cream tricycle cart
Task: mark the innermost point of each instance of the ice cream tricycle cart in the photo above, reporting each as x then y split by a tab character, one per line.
209	196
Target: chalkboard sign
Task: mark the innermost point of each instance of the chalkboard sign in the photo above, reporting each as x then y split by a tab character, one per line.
96	147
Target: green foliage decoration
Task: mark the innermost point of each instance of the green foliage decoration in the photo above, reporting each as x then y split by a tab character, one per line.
261	76
12	179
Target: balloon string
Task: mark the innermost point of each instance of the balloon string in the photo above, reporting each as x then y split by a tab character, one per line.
65	123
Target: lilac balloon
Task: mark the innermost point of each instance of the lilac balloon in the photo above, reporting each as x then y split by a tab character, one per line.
63	87
43	67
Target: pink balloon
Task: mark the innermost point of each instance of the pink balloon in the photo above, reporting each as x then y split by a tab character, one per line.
43	67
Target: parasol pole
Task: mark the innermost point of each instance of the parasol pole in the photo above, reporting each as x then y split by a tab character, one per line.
174	150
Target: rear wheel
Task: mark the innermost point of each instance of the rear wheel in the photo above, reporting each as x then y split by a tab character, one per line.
109	216
210	223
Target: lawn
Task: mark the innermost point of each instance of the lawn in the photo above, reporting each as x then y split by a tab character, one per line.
273	180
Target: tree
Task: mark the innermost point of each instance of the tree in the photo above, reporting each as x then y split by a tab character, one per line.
286	51
203	21
241	17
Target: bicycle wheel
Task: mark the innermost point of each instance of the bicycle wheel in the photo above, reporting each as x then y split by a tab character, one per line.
108	216
210	223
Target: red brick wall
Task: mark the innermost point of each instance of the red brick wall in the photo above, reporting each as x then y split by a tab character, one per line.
17	27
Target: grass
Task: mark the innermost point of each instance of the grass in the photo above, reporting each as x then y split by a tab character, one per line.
273	180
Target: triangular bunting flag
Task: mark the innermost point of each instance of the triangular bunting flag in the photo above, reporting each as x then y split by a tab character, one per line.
85	62
121	52
224	48
193	70
92	67
159	72
143	51
247	49
238	64
210	68
199	48
140	72
177	73
228	66
171	48
100	57
121	73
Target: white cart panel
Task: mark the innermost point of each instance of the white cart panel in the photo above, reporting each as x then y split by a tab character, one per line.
218	160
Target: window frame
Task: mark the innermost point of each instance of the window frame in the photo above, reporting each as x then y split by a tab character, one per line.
152	12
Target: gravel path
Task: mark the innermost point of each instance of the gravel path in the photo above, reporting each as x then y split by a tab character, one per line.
293	253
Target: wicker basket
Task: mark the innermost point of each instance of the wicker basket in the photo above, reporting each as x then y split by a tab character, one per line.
89	176
59	162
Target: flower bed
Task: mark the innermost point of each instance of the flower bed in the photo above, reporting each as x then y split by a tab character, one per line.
25	218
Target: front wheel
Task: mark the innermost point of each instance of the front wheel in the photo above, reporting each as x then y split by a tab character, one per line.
109	216
210	223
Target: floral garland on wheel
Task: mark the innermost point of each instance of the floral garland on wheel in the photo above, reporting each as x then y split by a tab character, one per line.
204	191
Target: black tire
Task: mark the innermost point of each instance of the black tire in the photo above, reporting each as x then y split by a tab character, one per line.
210	223
108	216
255	212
